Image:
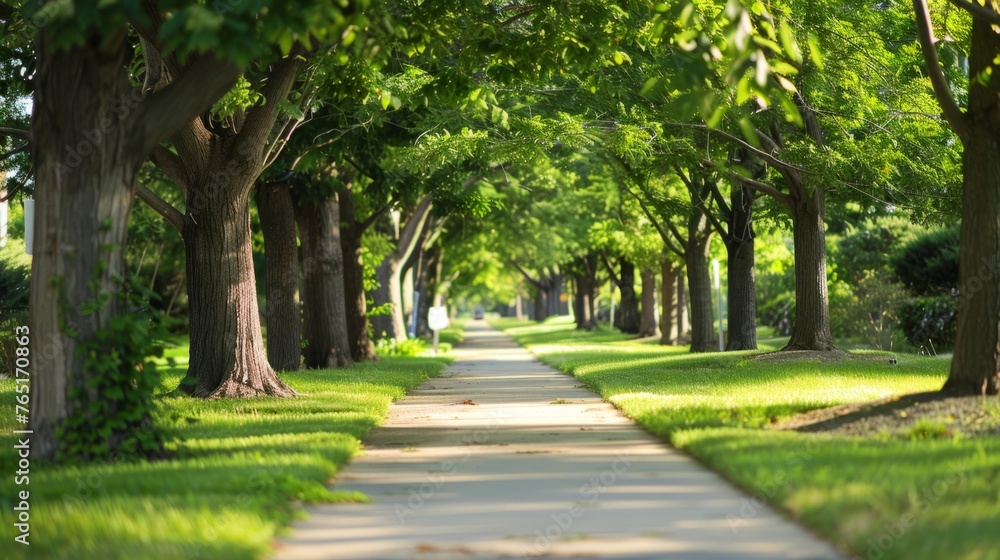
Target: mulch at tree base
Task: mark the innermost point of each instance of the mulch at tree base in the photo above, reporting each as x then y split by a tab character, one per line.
947	414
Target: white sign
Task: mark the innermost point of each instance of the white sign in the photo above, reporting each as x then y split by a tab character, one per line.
29	225
437	318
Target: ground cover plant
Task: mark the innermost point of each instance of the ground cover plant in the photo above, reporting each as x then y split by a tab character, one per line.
237	473
928	491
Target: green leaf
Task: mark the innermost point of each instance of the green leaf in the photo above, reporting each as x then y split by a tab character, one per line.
814	52
787	39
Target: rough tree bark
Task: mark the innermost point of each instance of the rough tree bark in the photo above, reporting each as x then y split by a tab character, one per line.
392	325
281	269
90	133
362	348
742	288
325	314
975	366
703	336
668	307
647	323
811	330
216	167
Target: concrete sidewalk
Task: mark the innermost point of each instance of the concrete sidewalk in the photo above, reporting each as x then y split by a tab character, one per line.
503	457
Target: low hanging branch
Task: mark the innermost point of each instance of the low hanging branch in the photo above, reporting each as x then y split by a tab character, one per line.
942	90
162	207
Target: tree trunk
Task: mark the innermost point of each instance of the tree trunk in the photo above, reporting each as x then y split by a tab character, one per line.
742	290
227	351
555	291
325	314
362	349
586	291
85	171
390	325
811	330
627	316
388	274
281	268
668	307
647	323
682	312
975	366
703	335
541	306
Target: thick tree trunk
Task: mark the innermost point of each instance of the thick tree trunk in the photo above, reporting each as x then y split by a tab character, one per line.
647	323
742	290
325	314
362	348
975	366
85	171
703	335
627	316
811	330
668	306
281	269
227	351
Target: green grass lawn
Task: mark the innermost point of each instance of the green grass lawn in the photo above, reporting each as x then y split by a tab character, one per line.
881	497
239	471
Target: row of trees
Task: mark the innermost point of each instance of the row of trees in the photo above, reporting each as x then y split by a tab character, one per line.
340	113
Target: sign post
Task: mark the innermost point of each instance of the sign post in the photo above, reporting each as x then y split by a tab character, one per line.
437	319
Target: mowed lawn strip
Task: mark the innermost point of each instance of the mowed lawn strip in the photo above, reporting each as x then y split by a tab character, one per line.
238	470
884	496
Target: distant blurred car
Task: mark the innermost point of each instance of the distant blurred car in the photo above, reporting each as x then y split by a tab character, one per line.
478	314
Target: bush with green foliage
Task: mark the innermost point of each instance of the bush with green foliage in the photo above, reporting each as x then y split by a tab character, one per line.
14	282
407	347
112	409
928	266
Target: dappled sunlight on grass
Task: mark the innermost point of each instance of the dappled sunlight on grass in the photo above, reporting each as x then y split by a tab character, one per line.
236	463
857	491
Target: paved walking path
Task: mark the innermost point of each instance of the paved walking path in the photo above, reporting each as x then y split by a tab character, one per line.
503	457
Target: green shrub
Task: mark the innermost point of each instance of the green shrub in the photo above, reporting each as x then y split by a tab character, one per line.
407	347
14	282
930	318
928	265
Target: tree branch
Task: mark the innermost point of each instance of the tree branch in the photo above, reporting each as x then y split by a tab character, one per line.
763	188
169	163
164	112
411	230
532	281
16	132
173	216
977	11
611	270
260	119
942	90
